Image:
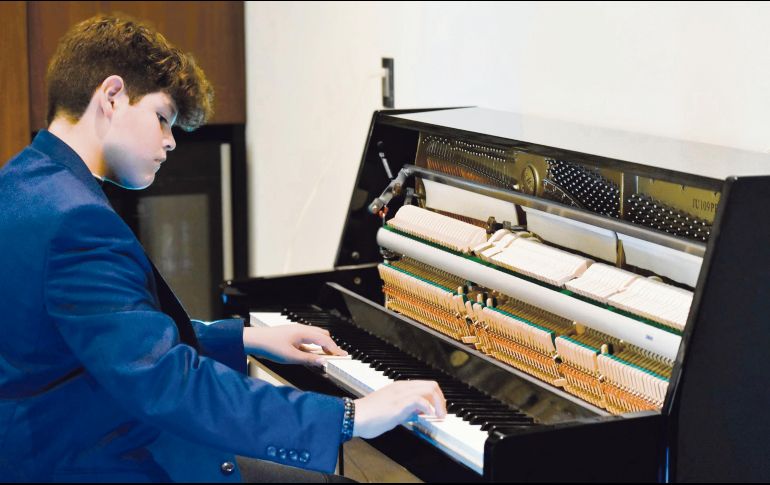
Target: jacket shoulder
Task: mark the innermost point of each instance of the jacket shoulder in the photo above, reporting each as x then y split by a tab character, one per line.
41	190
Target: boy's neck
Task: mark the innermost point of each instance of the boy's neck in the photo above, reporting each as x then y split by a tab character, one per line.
83	139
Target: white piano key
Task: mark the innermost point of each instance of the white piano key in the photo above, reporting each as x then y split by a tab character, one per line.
459	438
268	319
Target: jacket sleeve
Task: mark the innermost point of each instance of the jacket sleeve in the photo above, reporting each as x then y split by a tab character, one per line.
96	293
222	340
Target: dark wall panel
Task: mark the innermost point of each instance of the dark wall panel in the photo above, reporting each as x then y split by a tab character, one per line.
212	31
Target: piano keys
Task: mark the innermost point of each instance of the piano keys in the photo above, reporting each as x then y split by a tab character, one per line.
588	299
375	364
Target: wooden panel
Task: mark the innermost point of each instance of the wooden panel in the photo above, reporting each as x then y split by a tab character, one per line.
14	80
212	31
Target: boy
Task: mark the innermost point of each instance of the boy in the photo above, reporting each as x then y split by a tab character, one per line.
103	377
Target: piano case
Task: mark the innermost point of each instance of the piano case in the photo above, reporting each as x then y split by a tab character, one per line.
709	428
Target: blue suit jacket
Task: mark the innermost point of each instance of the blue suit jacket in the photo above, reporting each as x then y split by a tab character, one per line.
95	384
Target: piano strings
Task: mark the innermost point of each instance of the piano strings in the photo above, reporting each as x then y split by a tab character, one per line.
483	164
591	190
566	182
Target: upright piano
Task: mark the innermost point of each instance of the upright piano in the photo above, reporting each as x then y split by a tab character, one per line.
594	303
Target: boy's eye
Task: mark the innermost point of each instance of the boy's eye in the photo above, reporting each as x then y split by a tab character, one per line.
162	118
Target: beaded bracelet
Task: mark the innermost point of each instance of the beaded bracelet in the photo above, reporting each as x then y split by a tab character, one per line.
348	419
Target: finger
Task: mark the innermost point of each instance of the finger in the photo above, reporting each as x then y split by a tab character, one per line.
308	358
312	348
423	406
414	409
439	402
431	393
334	350
306	331
436	397
328	345
317	330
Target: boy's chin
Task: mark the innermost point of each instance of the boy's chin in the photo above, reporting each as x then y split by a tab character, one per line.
134	182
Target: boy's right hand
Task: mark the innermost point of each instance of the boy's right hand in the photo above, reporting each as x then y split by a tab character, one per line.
397	403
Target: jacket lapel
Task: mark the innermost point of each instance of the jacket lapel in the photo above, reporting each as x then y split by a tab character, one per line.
169	304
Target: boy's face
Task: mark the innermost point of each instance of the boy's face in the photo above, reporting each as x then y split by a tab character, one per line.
138	138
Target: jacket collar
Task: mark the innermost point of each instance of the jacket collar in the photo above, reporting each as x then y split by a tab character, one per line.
61	153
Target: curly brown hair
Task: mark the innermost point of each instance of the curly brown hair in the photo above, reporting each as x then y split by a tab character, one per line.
105	45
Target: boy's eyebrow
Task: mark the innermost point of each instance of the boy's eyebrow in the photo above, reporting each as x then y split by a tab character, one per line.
173	112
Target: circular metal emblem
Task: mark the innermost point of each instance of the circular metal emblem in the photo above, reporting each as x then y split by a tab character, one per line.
530	180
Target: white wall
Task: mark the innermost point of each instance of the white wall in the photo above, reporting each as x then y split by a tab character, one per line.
698	71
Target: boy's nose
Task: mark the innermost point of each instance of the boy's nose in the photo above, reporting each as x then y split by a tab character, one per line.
170	143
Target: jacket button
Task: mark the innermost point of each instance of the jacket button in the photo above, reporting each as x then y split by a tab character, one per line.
227	467
282	453
271	451
293	455
304	457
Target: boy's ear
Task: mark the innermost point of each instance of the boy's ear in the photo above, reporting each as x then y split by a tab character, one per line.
109	92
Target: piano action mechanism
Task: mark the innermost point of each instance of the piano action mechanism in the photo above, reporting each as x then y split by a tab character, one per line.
590	300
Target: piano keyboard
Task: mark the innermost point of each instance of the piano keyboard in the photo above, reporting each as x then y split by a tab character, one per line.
373	364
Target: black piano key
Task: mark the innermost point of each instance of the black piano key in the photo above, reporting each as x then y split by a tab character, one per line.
505	428
385	365
405	373
495	416
486	425
475	416
464	408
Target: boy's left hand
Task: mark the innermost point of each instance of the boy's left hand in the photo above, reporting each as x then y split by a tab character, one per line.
284	344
